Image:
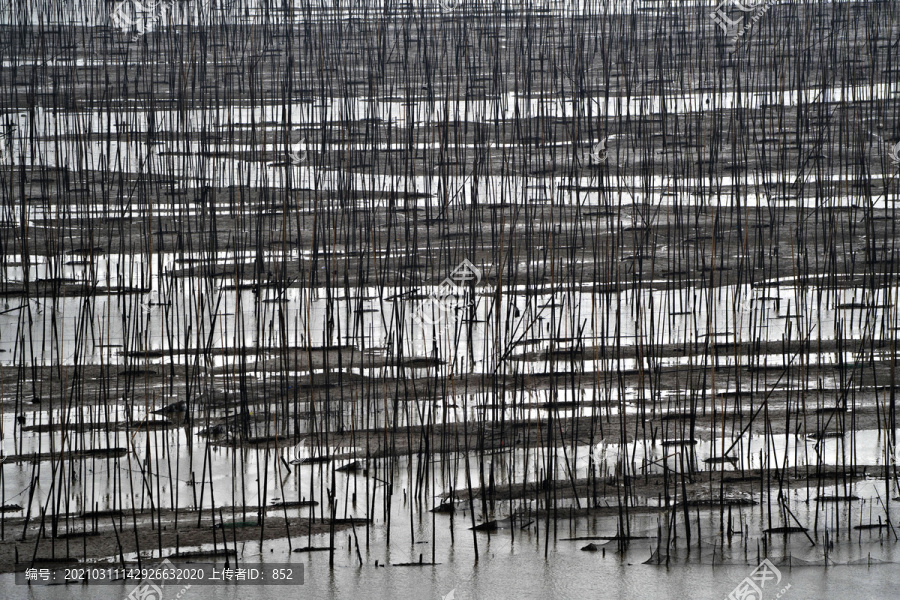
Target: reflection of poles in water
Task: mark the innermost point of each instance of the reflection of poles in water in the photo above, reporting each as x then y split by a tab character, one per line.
604	454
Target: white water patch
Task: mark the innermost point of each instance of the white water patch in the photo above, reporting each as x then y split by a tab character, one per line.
180	313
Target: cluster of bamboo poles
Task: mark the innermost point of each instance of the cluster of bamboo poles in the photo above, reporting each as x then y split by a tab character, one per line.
732	254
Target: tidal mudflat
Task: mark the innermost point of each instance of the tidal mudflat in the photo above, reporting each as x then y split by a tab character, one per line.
451	299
